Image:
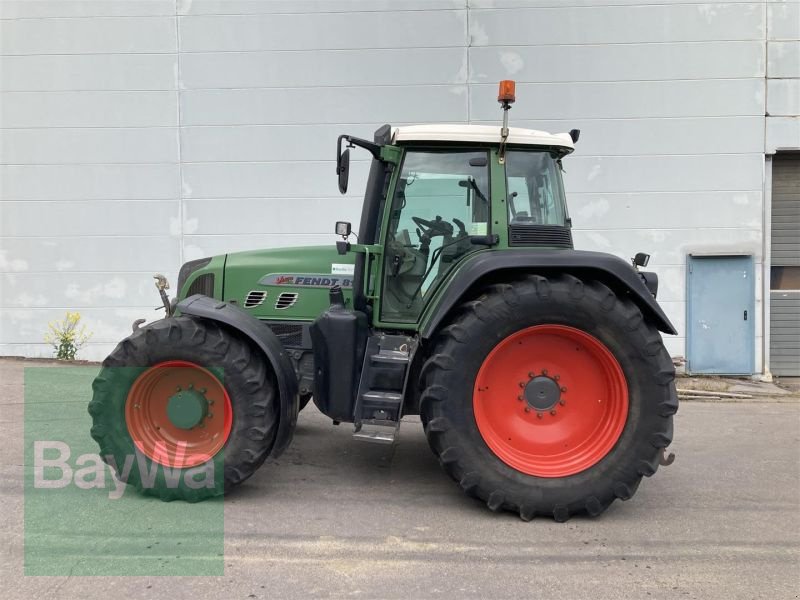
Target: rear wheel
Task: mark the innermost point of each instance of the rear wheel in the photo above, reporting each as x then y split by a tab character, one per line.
567	400
184	409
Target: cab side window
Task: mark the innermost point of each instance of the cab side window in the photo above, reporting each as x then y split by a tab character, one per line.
536	195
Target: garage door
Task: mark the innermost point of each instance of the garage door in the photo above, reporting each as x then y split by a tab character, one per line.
785	274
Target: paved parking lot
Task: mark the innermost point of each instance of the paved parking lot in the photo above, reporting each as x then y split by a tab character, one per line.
338	518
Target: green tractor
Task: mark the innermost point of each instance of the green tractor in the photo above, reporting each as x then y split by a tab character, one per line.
538	371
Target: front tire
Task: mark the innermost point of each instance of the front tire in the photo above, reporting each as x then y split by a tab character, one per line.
549	396
184	409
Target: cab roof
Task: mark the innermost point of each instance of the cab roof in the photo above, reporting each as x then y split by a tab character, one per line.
488	134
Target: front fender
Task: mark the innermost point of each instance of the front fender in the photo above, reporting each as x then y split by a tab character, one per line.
262	336
491	265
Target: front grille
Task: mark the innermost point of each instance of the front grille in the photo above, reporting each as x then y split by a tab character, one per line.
202	285
285	300
189	268
255	298
290	336
551	236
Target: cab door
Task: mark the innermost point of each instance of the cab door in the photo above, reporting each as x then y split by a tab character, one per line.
439	199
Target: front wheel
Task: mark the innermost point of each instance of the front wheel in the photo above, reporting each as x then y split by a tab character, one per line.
549	397
184	409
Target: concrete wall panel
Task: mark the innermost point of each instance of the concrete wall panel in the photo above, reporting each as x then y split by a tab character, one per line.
43	253
323	31
324	68
625	100
88	109
78	218
783	97
617	24
618	62
89	36
783	133
95	72
89	145
89	182
336	105
783	20
783	59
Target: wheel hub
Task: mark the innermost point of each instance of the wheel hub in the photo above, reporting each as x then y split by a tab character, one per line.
187	408
542	393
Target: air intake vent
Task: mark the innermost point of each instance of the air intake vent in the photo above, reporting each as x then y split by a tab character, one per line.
285	300
550	236
255	298
202	285
290	336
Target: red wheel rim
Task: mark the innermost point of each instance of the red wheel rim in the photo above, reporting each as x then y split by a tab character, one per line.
530	369
151	428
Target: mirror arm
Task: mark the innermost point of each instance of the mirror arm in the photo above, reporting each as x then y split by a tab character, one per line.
370	147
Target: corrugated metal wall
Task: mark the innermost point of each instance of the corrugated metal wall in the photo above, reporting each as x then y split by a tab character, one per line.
785	302
138	134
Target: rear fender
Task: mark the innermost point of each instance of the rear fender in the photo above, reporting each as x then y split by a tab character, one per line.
261	335
492	266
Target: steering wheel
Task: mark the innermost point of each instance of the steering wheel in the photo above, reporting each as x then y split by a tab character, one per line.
433	228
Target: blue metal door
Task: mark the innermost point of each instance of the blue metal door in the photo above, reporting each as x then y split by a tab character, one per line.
721	301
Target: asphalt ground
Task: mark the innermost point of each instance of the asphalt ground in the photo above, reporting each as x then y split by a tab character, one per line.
334	517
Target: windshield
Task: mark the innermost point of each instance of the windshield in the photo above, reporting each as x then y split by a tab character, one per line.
535	189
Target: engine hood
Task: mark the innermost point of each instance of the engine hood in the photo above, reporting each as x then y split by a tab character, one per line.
287	283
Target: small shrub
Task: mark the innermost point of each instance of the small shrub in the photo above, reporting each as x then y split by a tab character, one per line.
67	336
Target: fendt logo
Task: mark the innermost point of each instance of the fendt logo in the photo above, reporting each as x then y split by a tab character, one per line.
312	280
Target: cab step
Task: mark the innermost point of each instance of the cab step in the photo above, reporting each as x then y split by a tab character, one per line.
378	432
379	405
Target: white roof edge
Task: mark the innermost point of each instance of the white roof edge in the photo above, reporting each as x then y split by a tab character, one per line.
479	133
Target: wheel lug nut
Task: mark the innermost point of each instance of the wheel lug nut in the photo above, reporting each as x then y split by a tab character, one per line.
563	389
552	412
520	398
556	377
539	415
202	390
522	384
544	371
561	402
191	386
178	389
527	409
531	375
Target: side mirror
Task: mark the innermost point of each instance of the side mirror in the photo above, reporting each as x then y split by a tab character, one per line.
641	259
574	134
343	228
343	169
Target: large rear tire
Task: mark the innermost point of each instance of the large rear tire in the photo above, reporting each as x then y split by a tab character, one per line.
549	396
184	409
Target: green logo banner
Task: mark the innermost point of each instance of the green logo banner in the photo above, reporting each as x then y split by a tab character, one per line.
80	519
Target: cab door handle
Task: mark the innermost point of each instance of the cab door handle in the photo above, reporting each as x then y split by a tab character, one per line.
745	315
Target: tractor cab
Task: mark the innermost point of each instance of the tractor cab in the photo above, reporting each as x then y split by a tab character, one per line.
437	196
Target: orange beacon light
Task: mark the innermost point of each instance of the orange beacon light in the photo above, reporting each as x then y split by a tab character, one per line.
506	94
